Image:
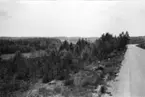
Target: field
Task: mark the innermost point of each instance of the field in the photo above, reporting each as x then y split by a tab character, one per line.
40	67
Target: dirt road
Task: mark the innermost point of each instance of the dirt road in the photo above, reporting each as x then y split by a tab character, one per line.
131	79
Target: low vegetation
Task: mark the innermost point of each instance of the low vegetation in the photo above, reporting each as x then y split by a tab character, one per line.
141	45
80	65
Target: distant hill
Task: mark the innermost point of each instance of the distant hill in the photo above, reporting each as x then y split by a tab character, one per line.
9	45
70	39
133	39
75	39
137	40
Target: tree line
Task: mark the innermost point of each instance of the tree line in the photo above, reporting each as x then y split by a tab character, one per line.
10	46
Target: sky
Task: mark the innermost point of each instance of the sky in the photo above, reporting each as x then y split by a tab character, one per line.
71	18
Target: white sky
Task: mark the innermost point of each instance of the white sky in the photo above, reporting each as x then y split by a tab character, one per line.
71	18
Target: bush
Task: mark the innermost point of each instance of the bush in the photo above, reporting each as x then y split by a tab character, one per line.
68	82
57	89
84	78
46	78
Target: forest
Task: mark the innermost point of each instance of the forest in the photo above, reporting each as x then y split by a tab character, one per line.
10	46
63	61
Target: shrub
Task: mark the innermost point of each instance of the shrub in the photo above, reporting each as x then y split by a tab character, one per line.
86	53
57	89
46	78
84	78
68	82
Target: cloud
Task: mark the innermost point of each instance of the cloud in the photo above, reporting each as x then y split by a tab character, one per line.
72	18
